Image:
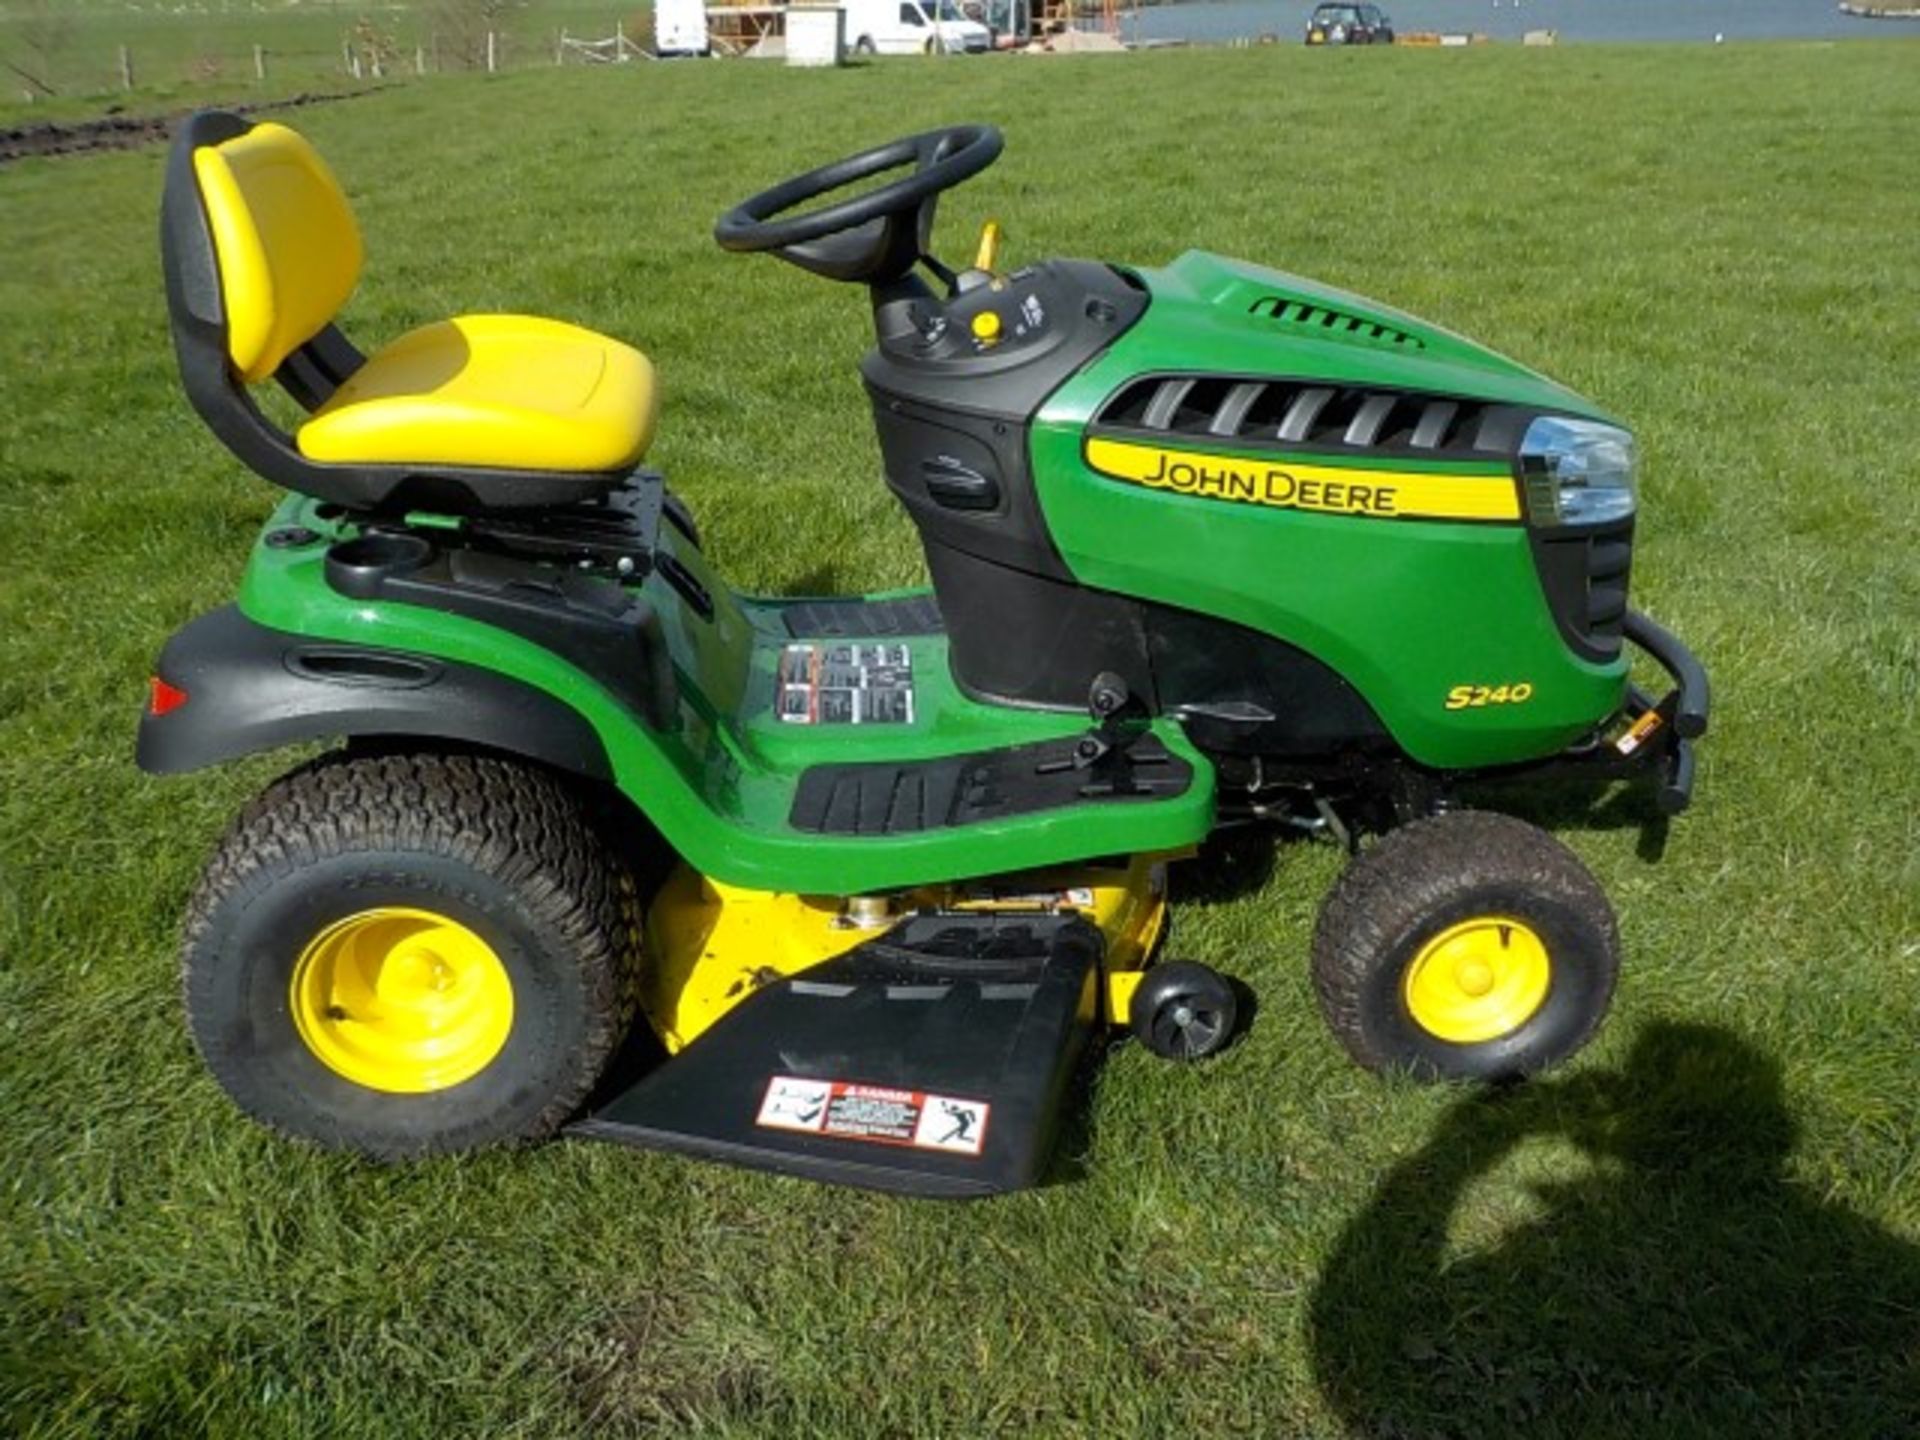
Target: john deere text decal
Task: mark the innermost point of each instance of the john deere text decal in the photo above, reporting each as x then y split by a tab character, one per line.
1293	485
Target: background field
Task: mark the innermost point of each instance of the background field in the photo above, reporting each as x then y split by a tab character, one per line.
1709	1225
187	52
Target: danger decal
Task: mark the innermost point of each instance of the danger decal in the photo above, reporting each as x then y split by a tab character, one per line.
877	1114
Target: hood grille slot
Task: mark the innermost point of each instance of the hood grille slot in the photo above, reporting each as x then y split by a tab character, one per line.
1306	315
1292	412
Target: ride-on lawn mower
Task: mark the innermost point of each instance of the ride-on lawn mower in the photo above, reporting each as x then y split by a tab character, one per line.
1210	546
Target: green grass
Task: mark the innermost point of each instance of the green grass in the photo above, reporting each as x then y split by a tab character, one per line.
1709	1225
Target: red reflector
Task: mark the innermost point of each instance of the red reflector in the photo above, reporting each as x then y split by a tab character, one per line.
164	698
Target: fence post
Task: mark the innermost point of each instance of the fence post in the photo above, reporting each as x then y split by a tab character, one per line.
619	42
490	53
259	63
419	59
560	47
126	68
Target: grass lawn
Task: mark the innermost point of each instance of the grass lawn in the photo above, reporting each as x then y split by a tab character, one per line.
1708	1225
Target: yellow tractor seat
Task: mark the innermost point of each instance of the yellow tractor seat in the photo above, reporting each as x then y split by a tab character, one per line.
478	413
501	391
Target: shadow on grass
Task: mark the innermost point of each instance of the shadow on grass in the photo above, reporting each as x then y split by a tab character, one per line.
1688	1286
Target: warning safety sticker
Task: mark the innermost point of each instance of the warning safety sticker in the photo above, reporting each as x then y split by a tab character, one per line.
846	684
876	1113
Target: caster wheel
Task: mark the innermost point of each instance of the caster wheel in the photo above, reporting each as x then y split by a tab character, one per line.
1184	1011
1471	946
406	954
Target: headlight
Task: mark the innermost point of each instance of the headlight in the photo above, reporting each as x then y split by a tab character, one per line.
1578	472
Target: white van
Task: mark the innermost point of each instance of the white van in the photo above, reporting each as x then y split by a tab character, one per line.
912	27
680	28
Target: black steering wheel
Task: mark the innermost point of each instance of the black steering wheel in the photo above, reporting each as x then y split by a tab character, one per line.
876	236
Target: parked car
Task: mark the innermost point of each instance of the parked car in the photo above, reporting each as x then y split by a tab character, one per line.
1350	25
911	27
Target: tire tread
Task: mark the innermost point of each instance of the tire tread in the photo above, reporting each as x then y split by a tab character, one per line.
519	825
1415	870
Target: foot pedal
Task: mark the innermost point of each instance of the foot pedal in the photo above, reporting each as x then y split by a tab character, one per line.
932	1060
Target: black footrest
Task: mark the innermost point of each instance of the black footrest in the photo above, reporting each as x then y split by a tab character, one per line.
887	798
931	1061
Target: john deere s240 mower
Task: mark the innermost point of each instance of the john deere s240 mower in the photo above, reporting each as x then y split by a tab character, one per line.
1209	545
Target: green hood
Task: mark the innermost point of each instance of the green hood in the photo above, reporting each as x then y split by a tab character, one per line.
1227	317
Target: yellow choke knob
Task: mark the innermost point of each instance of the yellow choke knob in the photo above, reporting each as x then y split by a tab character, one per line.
987	257
986	327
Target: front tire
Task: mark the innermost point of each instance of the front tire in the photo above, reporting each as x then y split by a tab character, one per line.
1467	946
406	954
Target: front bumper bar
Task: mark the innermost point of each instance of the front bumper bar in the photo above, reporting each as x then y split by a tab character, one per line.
1656	746
1691	694
1663	731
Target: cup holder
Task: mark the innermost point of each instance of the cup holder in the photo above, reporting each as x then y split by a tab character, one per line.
357	567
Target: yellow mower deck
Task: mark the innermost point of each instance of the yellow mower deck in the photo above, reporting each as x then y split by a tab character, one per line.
711	945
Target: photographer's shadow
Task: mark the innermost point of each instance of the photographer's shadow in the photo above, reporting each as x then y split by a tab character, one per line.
1687	1286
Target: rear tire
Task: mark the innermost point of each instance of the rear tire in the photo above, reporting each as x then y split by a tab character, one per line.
313	1036
864	45
1467	946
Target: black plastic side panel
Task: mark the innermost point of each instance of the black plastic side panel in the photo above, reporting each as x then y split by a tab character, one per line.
953	416
998	518
989	1009
251	689
885	798
1021	639
1024	639
1200	662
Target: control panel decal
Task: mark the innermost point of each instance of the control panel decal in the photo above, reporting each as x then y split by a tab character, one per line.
845	684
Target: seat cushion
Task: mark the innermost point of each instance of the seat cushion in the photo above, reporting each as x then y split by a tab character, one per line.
506	392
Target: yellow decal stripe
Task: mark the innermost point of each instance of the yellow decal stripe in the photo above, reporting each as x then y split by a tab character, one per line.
1325	489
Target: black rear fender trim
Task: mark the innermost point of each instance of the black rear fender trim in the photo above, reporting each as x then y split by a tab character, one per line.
249	689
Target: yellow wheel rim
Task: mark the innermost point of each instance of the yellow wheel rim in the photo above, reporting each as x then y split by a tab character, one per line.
401	1000
1478	980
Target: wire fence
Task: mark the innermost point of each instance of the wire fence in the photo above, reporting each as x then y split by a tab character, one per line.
53	54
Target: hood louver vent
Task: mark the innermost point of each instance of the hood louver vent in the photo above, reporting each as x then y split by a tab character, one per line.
1309	413
1306	315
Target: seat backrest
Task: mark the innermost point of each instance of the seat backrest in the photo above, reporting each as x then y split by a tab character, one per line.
259	250
285	240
